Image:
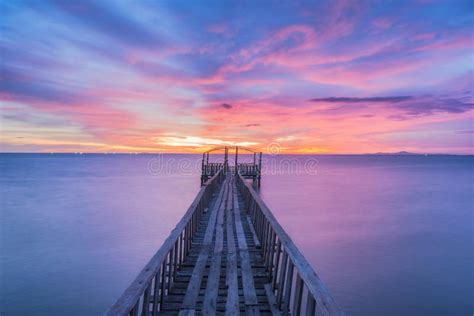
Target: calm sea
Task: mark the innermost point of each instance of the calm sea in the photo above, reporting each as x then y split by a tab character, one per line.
389	235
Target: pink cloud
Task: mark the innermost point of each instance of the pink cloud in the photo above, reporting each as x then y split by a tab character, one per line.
247	58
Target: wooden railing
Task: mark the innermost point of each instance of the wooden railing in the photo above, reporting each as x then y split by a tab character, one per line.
146	294
297	288
211	168
248	169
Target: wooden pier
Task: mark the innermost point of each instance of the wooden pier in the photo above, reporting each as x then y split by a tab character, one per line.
247	170
227	256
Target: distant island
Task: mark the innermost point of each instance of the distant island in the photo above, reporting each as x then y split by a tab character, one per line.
400	153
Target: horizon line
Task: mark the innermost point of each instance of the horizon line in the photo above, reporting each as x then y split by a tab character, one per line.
401	153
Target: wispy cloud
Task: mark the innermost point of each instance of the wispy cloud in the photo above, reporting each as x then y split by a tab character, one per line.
406	106
143	74
429	105
362	100
109	21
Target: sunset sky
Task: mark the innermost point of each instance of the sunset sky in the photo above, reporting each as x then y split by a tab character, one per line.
181	76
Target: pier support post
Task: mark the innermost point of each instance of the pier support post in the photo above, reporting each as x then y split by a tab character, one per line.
236	160
226	160
202	169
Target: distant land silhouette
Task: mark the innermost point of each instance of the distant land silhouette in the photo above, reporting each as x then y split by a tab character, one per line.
400	153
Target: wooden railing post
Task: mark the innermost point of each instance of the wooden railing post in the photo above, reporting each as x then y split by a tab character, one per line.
277	264
156	291
146	302
175	260
163	283
136	307
270	254
281	279
298	295
288	287
236	160
226	162
310	306
259	169
170	268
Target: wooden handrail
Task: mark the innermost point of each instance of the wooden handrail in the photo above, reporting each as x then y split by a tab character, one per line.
285	262
154	281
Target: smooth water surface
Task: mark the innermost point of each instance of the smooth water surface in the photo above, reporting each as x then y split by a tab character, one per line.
389	235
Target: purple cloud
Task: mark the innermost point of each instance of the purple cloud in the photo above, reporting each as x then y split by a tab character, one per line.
20	86
429	105
408	106
361	100
226	106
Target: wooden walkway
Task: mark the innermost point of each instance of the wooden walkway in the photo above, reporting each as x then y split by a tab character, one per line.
225	272
228	255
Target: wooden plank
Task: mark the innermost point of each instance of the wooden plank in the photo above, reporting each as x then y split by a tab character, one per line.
212	286
252	310
250	297
272	300
232	302
254	234
187	312
189	302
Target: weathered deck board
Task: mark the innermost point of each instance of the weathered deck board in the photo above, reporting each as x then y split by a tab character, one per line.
212	287
189	301
251	301
232	304
224	272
